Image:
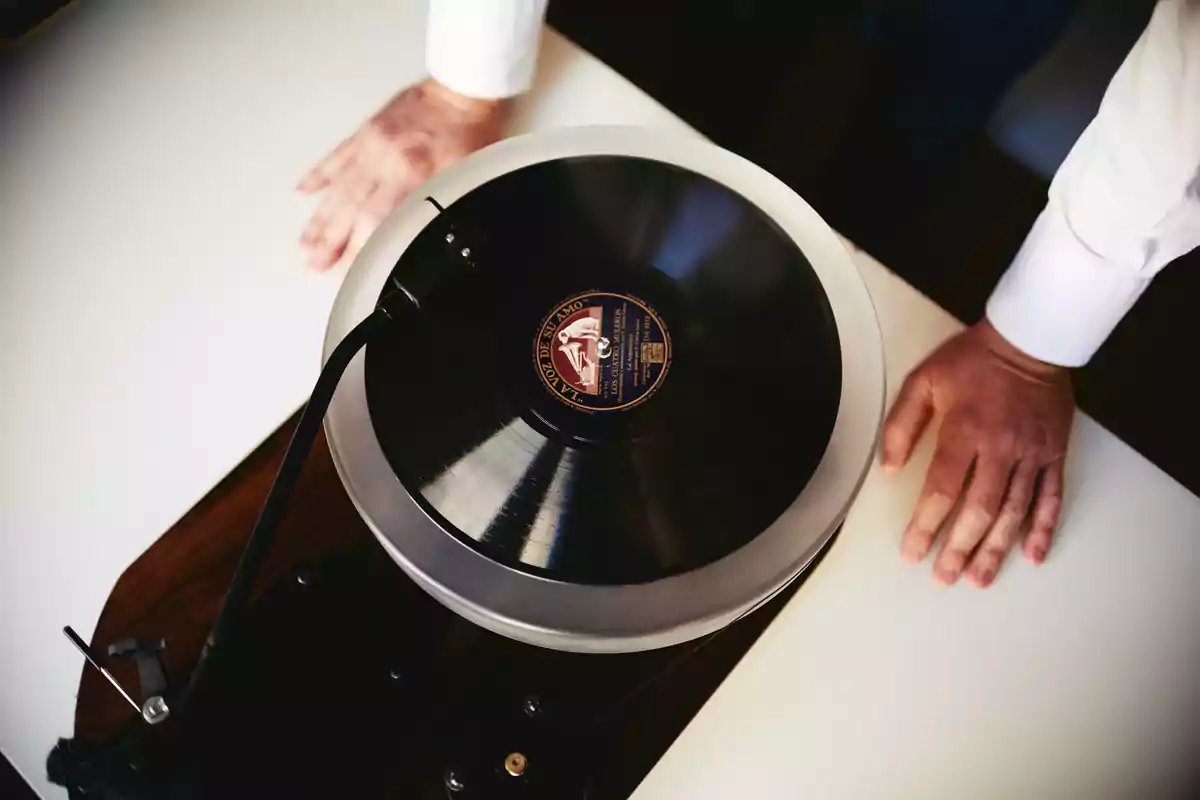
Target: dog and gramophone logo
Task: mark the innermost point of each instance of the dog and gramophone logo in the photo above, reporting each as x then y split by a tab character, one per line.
602	351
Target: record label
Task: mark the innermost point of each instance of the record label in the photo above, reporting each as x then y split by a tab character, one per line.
602	351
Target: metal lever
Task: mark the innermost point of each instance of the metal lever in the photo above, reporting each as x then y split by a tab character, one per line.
154	710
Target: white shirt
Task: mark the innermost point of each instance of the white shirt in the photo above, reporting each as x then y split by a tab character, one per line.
1124	203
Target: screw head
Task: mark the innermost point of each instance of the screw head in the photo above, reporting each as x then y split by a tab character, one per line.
516	764
155	710
304	578
395	674
449	238
532	706
466	252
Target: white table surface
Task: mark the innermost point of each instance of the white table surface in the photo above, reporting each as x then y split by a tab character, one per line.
157	324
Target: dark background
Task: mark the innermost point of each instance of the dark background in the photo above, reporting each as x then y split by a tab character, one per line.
12	786
876	113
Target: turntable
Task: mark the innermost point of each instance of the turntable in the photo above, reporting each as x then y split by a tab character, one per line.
601	393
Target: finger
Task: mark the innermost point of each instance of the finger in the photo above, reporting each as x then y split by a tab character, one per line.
943	484
906	421
379	204
984	565
330	167
371	215
981	506
328	232
1045	513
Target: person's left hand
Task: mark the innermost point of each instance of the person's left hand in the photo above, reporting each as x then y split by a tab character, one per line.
419	131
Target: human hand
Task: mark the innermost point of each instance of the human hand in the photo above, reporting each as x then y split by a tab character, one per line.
419	131
1005	420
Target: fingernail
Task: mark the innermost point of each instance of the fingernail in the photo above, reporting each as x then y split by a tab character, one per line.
910	554
944	577
981	579
1037	554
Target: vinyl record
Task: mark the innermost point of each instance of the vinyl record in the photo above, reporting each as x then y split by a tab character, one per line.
640	376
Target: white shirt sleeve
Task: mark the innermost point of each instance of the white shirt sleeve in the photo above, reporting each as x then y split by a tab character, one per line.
484	48
1124	203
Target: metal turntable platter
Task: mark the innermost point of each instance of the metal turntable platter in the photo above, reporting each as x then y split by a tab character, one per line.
644	411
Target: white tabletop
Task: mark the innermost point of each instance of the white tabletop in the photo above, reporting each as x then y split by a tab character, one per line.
158	323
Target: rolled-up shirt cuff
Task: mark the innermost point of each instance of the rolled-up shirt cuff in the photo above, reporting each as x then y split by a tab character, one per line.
484	48
1059	301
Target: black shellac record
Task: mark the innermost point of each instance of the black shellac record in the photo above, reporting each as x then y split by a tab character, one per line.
639	377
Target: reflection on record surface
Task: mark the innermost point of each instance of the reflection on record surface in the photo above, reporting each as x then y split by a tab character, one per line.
639	377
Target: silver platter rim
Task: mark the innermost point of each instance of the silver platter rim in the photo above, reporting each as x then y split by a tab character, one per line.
586	618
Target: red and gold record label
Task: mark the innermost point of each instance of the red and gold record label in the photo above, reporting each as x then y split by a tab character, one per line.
602	351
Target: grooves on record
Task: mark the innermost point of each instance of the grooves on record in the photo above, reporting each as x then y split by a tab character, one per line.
640	376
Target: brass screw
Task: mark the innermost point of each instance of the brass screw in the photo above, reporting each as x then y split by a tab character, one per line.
515	764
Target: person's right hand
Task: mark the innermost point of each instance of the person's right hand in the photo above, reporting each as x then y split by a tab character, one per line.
418	132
